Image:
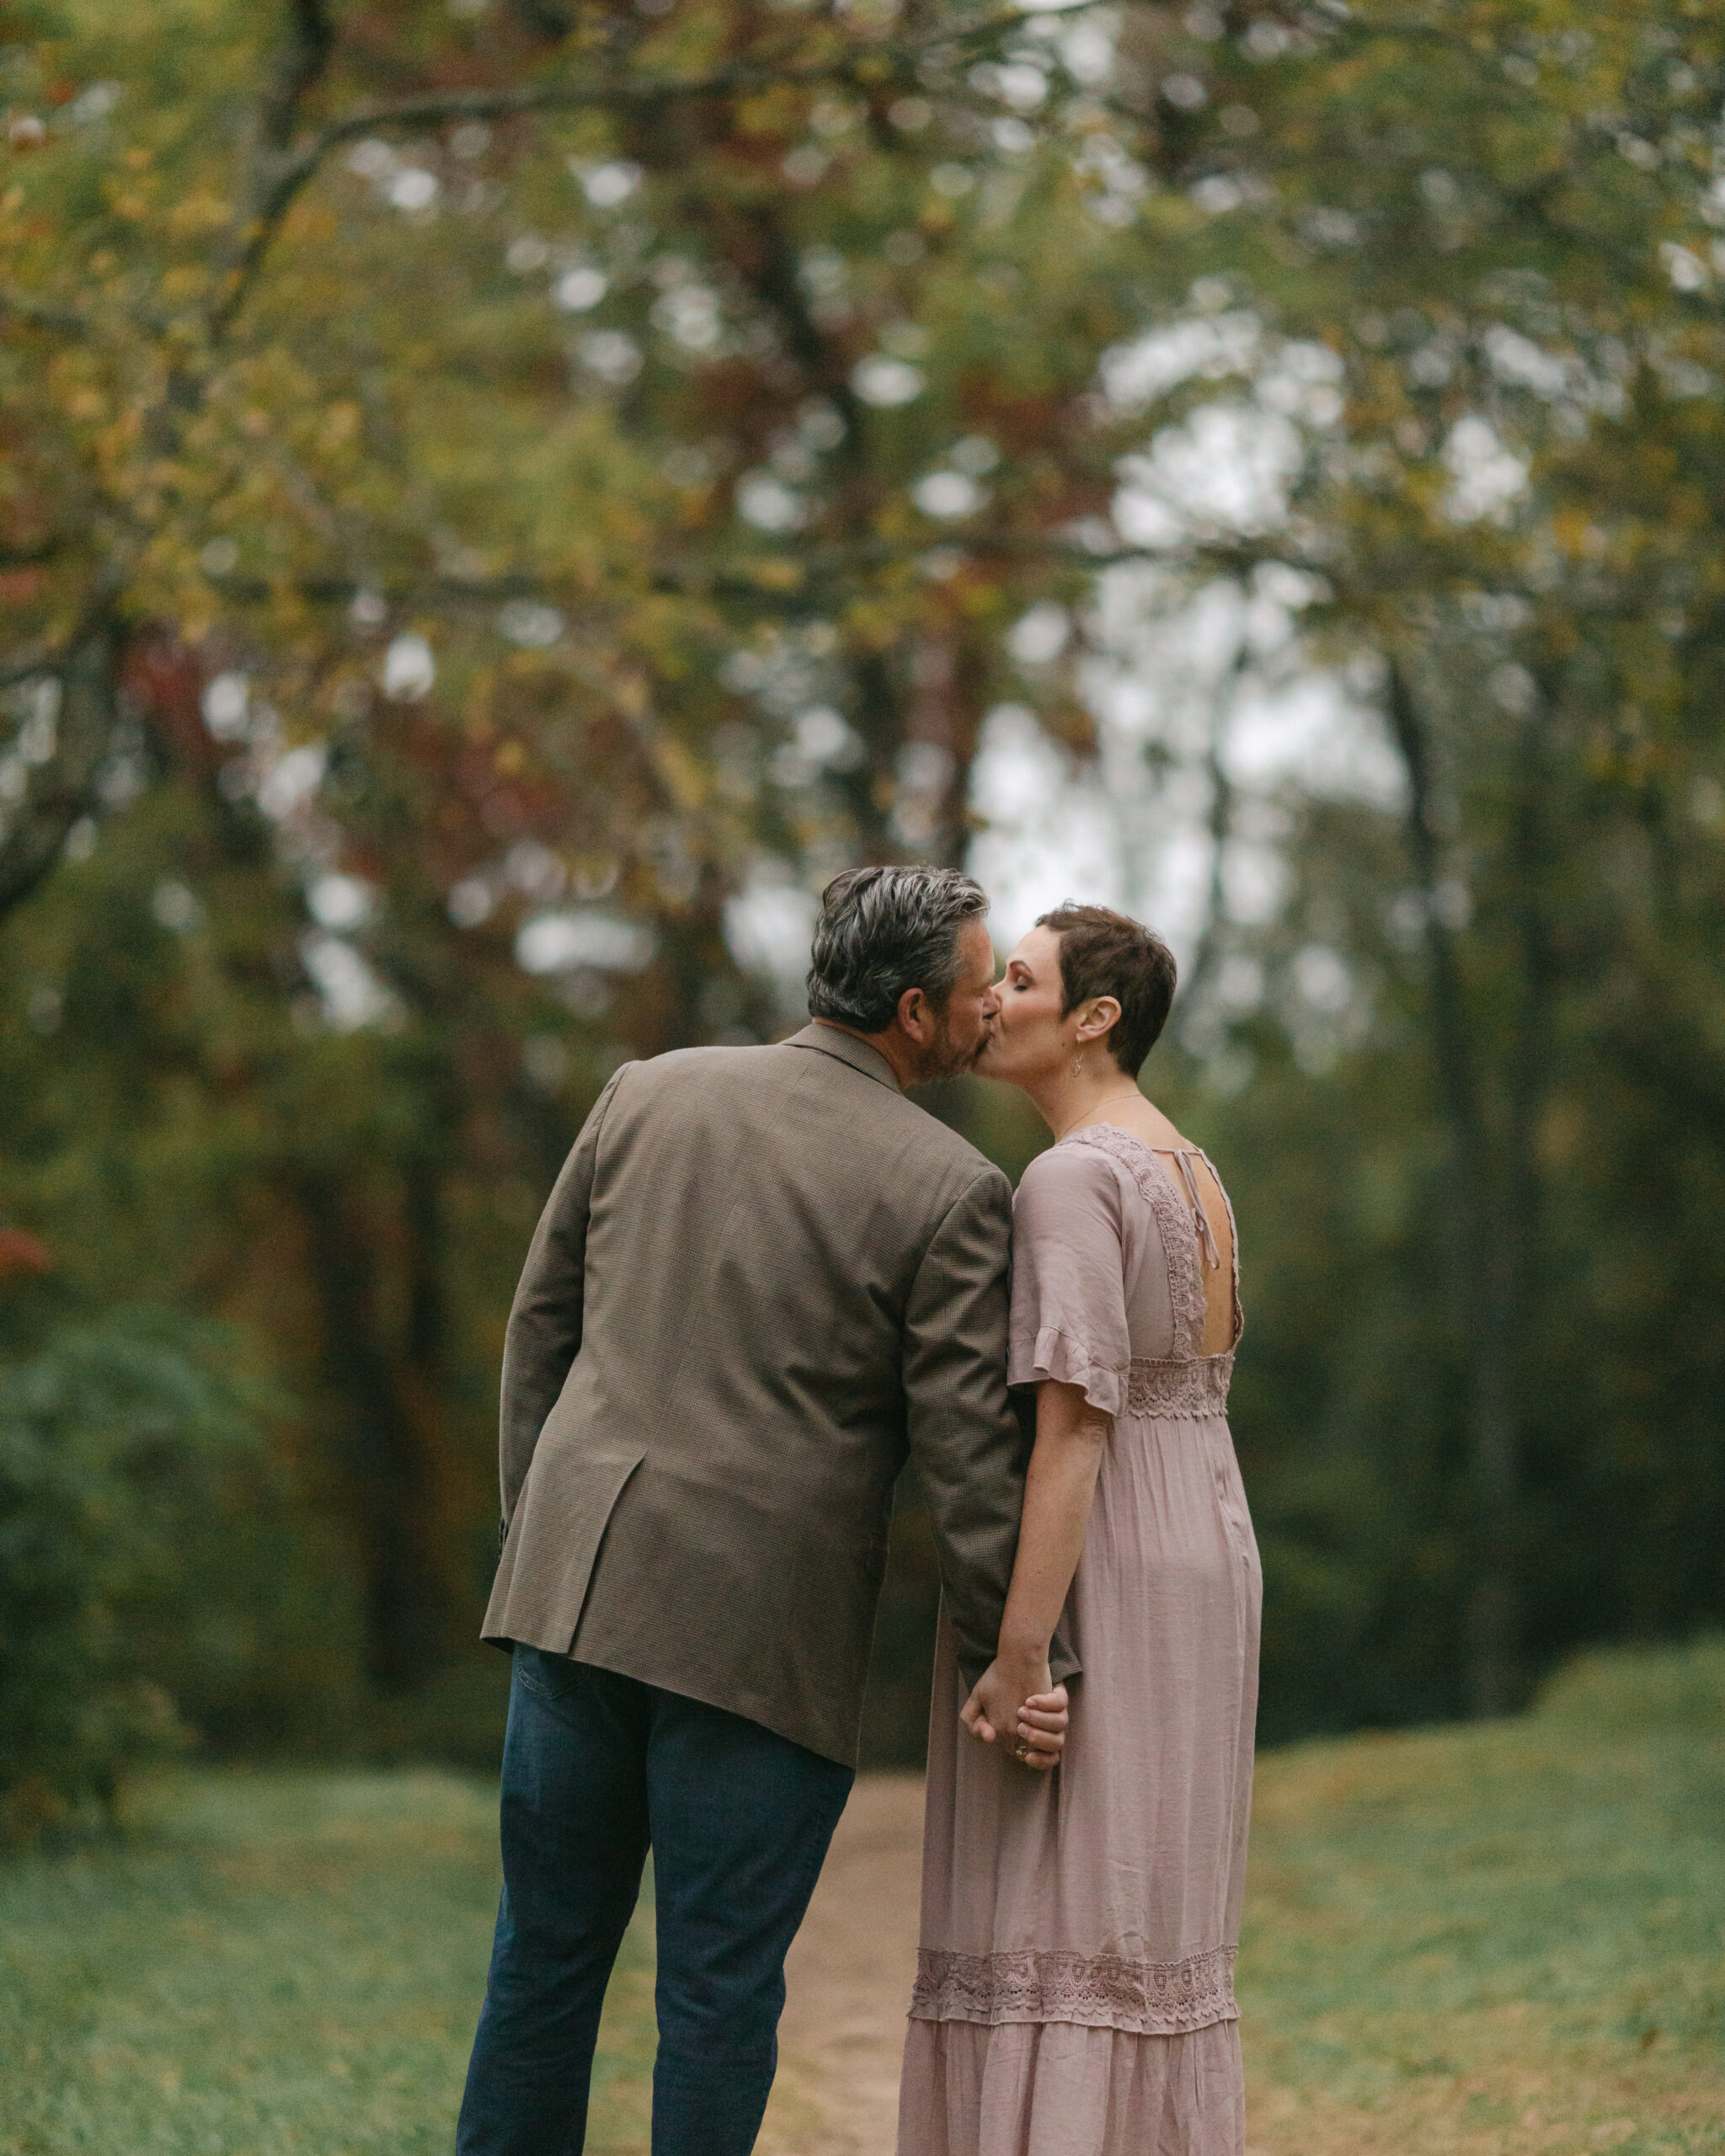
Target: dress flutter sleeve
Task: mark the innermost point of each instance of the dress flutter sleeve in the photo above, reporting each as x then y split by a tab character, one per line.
1069	1300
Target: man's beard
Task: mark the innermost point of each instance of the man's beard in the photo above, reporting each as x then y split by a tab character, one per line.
945	1059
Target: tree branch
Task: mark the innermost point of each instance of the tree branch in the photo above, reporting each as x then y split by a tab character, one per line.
294	169
62	790
541	20
31	557
750	575
303	58
36	314
33	670
300	65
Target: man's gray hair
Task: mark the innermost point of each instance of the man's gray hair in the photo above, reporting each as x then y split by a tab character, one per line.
882	930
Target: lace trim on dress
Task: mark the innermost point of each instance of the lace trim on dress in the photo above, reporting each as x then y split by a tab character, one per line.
1173	1224
1191	1387
1102	1991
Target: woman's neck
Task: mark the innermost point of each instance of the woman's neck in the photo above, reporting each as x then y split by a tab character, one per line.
1068	1099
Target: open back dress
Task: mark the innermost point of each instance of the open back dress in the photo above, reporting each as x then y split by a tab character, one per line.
1075	1992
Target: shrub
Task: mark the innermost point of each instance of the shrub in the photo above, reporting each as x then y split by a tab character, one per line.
117	1437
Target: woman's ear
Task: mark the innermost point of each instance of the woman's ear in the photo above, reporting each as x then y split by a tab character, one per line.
1099	1016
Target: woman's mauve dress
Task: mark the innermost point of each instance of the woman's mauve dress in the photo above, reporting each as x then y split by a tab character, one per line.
1075	1991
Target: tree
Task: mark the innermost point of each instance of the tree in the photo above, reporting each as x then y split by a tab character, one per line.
434	613
495	502
1499	221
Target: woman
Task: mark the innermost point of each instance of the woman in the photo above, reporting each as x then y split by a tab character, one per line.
1075	1986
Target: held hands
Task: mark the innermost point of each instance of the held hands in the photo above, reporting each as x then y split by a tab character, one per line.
1018	1704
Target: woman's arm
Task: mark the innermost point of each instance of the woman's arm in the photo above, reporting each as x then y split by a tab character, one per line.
1058	1492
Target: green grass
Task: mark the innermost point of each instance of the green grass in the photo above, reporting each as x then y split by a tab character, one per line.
278	1962
1504	1937
1506	1940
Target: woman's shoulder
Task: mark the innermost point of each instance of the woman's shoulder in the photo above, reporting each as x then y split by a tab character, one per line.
1073	1168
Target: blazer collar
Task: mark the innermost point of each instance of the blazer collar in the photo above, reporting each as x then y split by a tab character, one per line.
846	1048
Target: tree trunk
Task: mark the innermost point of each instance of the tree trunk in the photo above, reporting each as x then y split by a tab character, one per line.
1220	827
1485	1236
61	787
390	1474
1530	865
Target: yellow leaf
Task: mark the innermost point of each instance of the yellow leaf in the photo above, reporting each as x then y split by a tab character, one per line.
198	213
683	774
774	574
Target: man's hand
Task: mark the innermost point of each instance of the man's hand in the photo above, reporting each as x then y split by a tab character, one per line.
1021	1707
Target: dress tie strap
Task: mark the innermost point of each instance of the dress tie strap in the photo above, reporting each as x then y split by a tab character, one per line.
1200	1218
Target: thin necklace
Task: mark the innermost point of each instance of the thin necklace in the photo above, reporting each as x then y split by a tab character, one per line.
1090	1112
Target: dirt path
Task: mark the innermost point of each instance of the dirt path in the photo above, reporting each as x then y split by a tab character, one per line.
849	1983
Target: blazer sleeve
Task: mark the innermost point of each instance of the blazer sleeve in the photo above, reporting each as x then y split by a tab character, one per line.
967	1442
544	1334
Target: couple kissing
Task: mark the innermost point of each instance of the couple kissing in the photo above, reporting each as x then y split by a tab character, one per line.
764	1280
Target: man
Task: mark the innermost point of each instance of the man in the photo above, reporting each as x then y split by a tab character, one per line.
762	1280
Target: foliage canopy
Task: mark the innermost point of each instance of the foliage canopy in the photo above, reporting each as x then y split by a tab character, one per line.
499	500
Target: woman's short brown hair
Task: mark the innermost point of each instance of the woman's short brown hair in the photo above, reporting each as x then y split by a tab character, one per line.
1103	953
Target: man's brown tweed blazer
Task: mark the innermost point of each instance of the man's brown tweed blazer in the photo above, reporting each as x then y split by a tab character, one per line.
763	1280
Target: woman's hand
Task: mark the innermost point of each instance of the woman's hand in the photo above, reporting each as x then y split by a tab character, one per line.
1017	1703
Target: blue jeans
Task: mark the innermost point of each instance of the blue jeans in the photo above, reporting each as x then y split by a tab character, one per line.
596	1768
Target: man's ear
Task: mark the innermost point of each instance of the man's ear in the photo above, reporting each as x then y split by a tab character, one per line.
914	1014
